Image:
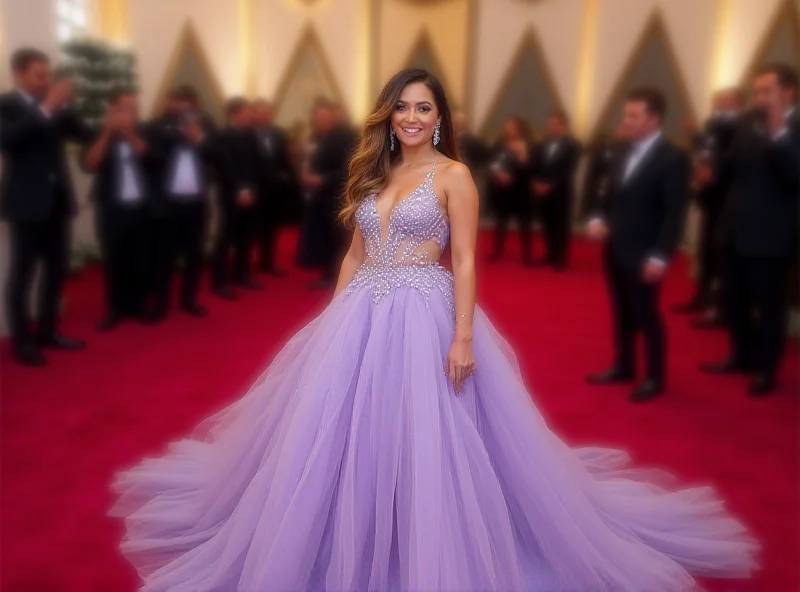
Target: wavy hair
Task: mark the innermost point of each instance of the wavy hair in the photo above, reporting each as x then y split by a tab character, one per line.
371	163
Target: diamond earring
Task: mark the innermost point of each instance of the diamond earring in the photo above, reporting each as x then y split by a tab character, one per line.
436	134
391	140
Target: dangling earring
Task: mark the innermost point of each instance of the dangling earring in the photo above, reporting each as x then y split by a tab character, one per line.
436	134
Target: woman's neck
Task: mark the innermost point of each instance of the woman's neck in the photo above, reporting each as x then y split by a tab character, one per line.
410	156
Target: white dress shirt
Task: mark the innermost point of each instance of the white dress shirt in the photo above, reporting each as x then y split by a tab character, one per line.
185	180
552	148
33	102
130	191
640	150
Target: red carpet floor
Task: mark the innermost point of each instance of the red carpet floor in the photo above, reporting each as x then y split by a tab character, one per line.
66	429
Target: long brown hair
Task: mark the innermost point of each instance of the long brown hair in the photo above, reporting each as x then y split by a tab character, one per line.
370	165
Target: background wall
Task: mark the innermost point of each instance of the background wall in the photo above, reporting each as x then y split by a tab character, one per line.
495	56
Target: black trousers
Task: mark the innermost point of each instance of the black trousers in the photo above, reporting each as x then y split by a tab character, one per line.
708	257
124	234
518	206
180	233
30	242
635	308
555	215
236	231
756	284
267	232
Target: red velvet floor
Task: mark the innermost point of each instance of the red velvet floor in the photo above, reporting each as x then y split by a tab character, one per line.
66	429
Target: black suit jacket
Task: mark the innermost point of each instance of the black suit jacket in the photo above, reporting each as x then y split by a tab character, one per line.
760	217
558	171
165	138
473	151
717	140
107	183
274	163
35	170
645	213
235	163
331	160
597	183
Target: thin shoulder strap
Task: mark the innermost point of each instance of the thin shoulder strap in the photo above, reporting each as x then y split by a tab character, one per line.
432	172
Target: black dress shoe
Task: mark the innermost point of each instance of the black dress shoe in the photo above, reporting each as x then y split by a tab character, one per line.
729	366
321	284
55	340
762	385
153	317
250	284
708	324
647	391
109	322
611	376
225	293
194	309
275	272
691	307
28	355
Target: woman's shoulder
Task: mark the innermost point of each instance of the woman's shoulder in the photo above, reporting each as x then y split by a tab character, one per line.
451	169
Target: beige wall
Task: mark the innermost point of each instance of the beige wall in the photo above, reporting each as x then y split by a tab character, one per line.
447	24
501	27
156	27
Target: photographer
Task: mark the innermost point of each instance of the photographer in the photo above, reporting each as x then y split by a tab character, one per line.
36	197
178	205
759	227
119	192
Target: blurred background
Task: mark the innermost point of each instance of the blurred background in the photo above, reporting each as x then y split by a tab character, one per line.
497	58
68	428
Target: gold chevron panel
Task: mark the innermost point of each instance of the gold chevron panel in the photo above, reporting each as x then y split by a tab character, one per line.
528	88
189	64
653	62
781	41
307	77
423	55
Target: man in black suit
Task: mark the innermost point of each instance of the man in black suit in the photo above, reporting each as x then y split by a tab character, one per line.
326	180
553	185
234	159
759	227
119	193
36	197
710	195
641	223
181	147
274	172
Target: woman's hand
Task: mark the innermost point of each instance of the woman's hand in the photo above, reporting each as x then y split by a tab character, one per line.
460	364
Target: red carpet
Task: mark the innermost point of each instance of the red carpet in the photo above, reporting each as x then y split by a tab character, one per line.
68	428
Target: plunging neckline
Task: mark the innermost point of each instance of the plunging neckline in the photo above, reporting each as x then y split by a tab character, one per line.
385	237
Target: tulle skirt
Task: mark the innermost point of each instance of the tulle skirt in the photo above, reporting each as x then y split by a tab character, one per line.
352	465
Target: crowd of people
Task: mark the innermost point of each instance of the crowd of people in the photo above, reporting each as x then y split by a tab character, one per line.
153	200
153	203
740	170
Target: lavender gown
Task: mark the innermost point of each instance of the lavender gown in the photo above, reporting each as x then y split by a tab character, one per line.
351	465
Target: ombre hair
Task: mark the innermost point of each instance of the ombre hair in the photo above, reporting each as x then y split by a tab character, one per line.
370	165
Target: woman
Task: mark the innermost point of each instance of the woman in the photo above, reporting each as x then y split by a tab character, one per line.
392	444
510	186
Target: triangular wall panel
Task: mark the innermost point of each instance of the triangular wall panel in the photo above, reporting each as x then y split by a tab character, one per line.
189	65
423	55
781	42
652	63
307	77
527	90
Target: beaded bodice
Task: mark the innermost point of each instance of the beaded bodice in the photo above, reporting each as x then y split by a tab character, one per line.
416	231
405	248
